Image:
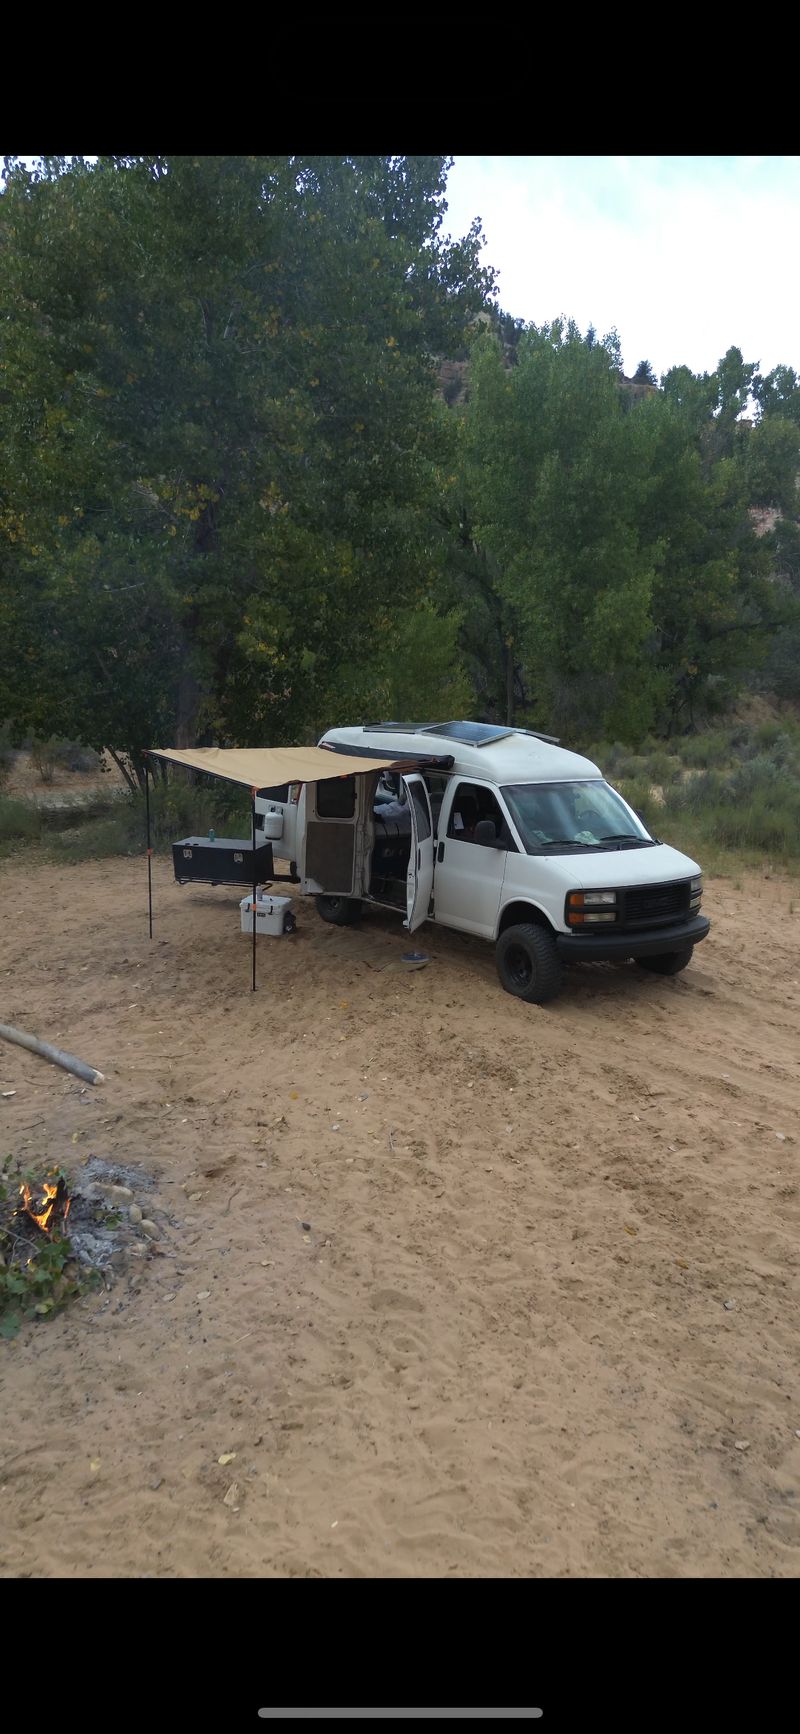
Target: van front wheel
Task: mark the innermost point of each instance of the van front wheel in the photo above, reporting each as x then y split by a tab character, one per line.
528	963
340	910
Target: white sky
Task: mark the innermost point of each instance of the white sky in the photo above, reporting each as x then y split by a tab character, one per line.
684	255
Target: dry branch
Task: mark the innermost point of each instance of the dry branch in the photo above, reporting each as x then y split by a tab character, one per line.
8	1033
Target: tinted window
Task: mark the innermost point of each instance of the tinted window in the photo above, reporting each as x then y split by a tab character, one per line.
471	803
336	798
552	817
421	809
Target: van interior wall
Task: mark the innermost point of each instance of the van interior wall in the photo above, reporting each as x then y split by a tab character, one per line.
330	854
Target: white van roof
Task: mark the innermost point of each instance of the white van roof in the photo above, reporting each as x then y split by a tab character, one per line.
487	751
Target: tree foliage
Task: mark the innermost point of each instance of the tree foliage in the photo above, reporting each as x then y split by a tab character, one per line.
221	445
234	507
624	561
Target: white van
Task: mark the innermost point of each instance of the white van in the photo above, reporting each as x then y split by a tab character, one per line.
497	832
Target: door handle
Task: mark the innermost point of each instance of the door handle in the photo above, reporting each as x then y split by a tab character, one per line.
440	852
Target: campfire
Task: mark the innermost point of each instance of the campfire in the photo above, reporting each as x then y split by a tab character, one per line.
53	1205
57	1238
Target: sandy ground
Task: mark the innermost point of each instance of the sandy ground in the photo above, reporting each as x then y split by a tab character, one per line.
501	1347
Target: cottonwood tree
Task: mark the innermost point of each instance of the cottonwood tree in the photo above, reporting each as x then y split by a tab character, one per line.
619	544
220	449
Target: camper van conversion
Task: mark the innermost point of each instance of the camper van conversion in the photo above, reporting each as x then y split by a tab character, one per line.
498	832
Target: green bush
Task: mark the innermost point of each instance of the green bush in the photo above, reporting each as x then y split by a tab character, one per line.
662	767
177	809
18	820
113	835
699	752
45	755
769	820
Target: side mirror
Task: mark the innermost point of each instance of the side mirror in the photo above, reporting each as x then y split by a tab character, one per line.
486	836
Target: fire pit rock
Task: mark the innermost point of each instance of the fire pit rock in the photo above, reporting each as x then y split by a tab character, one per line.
109	1210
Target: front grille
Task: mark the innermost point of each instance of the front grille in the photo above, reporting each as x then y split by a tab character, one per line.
654	905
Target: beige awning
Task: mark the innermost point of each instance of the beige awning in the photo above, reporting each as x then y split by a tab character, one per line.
270	767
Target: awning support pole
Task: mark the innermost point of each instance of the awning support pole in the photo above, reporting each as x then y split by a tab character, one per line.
253	911
149	848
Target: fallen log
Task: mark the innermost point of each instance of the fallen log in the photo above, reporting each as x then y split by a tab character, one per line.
57	1055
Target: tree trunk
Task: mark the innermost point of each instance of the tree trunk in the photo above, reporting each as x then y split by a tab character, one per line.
187	707
509	650
133	781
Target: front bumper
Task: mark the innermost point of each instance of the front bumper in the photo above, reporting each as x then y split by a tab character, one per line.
583	947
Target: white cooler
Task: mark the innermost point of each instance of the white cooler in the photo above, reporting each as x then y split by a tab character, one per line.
271	914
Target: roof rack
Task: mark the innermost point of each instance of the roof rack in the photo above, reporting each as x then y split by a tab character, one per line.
552	740
398	728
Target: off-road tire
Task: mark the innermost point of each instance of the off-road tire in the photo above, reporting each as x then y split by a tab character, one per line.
341	911
528	963
666	962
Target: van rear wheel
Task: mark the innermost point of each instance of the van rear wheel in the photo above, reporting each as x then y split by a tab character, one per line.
341	911
667	962
528	963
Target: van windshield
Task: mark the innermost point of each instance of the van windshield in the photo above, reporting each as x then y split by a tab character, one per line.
555	817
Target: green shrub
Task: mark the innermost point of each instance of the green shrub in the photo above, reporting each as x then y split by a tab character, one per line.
177	809
112	835
712	747
769	820
768	733
18	820
44	755
662	767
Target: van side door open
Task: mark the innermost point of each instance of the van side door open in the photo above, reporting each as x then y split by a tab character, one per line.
329	832
419	882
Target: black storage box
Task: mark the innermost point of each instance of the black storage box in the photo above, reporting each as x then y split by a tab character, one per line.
226	861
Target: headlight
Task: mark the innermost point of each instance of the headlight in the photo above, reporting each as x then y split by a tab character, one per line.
695	892
590	906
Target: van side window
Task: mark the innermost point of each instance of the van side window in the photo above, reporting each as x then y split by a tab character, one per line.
470	805
336	798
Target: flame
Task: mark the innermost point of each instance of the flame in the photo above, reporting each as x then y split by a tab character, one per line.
42	1218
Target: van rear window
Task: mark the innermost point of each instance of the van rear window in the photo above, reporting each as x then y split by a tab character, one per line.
336	798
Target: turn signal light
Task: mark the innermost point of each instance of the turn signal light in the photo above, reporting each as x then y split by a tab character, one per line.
582	907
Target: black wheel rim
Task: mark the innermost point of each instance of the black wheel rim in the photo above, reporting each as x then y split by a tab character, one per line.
519	965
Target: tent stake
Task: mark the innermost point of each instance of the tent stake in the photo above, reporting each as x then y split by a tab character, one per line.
149	849
253	823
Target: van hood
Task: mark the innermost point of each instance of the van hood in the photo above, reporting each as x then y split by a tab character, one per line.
612	867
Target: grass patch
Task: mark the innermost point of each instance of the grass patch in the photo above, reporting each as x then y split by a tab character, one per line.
20	821
177	809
